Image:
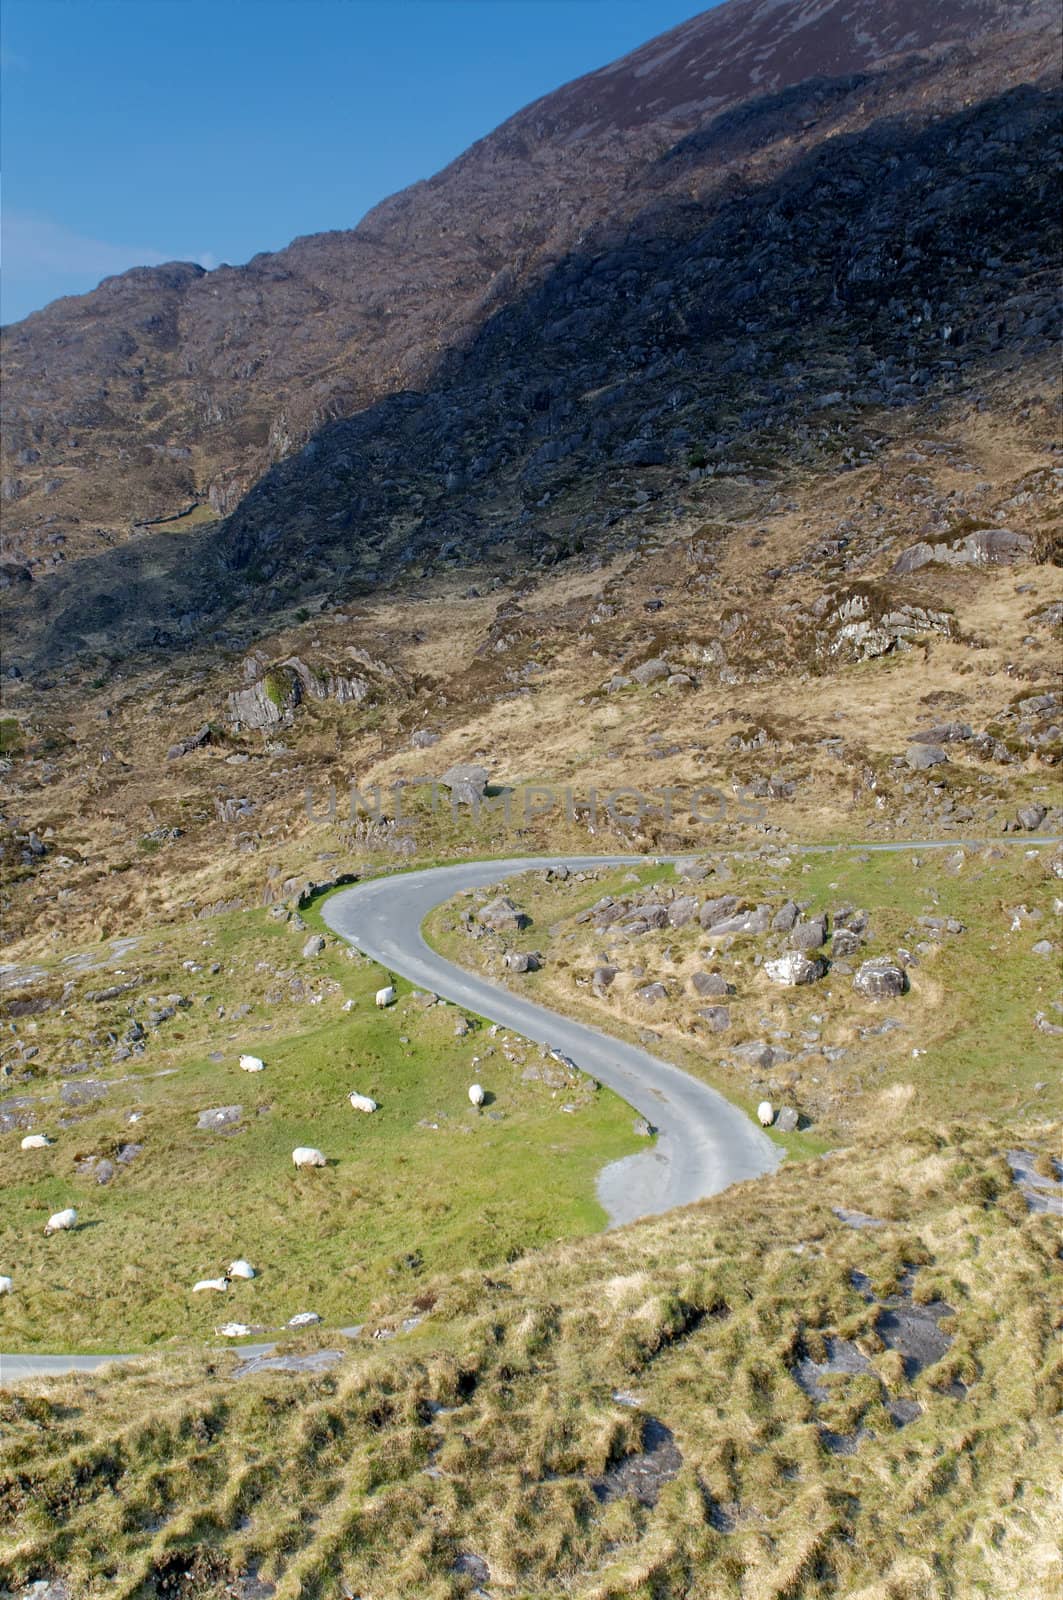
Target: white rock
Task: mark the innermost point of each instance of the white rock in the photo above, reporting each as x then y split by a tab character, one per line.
36	1141
362	1102
221	1284
794	968
306	1156
252	1064
241	1269
61	1221
6	1285
385	997
303	1319
233	1330
476	1094
765	1113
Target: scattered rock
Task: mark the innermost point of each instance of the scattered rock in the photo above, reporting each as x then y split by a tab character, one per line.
651	993
220	1118
313	946
787	1120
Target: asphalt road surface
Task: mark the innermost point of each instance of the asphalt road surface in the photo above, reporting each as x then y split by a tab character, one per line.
704	1143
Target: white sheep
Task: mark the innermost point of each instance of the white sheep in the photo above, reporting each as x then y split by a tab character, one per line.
306	1156
233	1330
221	1284
362	1102
61	1221
252	1064
386	997
476	1094
6	1285
36	1141
240	1269
765	1113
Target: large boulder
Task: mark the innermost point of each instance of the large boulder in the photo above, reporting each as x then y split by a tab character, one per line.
809	934
795	968
1031	817
757	920
651	671
880	979
711	985
522	961
502	916
920	757
466	783
683	909
716	910
651	993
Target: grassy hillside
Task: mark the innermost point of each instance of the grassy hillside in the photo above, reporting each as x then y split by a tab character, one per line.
512	1443
425	1184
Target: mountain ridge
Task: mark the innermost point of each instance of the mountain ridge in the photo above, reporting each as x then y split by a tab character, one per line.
170	386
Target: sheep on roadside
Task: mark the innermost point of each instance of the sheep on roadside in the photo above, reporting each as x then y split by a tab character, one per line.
386	996
61	1221
307	1156
36	1141
6	1285
220	1284
362	1102
476	1094
252	1064
240	1269
765	1113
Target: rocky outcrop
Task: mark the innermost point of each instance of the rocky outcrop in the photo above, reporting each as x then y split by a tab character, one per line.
988	547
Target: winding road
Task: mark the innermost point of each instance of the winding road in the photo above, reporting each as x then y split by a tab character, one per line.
704	1142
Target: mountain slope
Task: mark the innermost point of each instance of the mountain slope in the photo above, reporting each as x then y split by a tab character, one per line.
168	387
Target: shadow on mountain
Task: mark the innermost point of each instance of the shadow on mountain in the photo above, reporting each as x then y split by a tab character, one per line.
776	323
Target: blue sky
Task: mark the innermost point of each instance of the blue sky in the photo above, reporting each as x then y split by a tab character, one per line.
139	131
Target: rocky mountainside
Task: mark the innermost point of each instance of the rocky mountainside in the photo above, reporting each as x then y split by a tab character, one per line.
774	212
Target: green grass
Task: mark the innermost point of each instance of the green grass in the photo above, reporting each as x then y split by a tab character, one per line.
397	1201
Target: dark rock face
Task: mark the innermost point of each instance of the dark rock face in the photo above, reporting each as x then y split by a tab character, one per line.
862	209
644	1474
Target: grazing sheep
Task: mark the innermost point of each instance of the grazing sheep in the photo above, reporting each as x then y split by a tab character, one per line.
306	1156
221	1284
362	1102
386	997
765	1114
61	1221
240	1269
36	1141
6	1285
476	1094
252	1064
